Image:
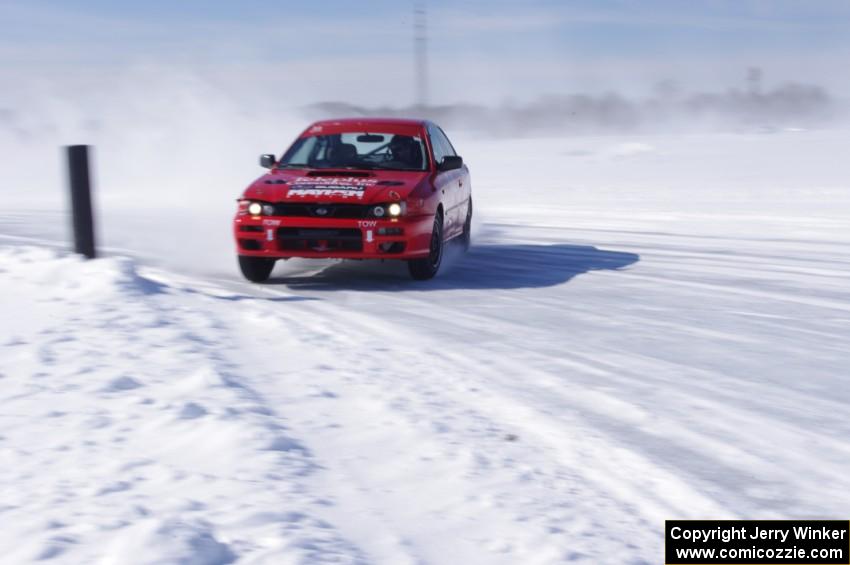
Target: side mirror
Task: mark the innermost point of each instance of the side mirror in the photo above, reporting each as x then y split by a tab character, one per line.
450	163
267	161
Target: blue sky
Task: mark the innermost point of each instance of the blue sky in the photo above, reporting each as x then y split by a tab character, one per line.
479	50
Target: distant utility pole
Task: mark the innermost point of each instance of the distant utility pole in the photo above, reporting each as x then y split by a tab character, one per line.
420	54
754	76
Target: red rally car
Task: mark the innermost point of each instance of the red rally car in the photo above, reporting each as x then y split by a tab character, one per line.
357	189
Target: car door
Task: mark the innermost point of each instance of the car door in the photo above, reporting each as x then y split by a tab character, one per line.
462	188
449	183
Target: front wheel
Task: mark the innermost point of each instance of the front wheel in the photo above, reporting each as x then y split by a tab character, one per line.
256	269
424	269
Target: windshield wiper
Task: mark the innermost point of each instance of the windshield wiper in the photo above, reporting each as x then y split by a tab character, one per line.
293	166
383	168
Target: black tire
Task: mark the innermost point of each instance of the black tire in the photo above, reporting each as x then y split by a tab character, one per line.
465	239
256	269
425	268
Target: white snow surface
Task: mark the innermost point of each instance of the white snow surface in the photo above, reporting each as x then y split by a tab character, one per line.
646	328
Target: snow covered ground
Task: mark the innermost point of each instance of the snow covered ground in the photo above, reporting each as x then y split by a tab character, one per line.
646	329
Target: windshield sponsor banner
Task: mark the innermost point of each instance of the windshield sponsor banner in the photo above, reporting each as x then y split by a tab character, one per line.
756	542
344	187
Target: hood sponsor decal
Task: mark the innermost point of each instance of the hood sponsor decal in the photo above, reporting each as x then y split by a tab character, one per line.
344	187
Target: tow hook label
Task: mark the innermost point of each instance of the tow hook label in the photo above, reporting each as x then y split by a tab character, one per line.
367	223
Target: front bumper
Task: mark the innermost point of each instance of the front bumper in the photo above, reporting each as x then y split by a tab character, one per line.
281	237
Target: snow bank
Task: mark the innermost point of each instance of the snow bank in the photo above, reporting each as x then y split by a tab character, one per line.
127	437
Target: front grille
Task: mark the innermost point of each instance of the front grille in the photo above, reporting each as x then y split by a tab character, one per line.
352	211
319	239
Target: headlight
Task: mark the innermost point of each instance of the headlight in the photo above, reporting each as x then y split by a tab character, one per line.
396	209
378	211
255	208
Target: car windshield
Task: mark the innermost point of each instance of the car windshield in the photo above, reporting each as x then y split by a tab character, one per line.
357	150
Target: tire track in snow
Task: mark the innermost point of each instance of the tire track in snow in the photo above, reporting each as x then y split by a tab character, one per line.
745	458
421	401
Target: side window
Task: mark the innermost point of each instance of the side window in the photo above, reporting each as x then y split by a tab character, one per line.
437	143
447	145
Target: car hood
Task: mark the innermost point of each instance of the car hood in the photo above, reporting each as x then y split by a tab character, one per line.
354	187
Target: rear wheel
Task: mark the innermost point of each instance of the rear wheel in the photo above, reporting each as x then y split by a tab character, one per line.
426	268
465	238
256	269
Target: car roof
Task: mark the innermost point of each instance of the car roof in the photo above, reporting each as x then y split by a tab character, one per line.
375	121
378	125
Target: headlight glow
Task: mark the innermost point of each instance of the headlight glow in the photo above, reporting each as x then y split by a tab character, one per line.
255	208
394	209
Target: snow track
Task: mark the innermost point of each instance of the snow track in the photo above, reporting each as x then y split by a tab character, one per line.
582	375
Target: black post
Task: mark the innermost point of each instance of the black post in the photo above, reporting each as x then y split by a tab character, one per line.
81	209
